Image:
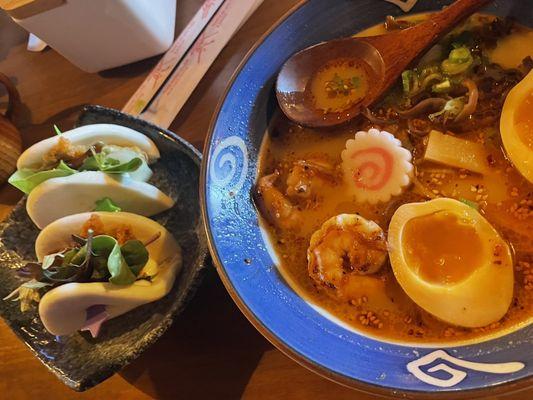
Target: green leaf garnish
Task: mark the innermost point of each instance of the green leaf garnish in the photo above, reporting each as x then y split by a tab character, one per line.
106	204
109	165
102	247
120	272
27	293
94	259
118	168
90	164
57	131
124	263
72	266
339	86
135	254
49	259
27	179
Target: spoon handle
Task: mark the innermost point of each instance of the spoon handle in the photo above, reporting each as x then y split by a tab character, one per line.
446	19
400	48
422	36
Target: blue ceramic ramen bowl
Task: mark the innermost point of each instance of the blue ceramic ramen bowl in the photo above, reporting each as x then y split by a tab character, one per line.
249	272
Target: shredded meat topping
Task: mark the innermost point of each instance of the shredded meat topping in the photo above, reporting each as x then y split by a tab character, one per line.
63	150
123	233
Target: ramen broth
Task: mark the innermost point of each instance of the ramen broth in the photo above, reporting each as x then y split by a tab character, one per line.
387	312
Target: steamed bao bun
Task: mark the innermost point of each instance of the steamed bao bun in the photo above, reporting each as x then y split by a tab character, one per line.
87	135
63	309
58	197
122	144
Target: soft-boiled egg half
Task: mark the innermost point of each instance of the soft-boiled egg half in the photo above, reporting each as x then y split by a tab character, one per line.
451	262
63	310
516	126
58	197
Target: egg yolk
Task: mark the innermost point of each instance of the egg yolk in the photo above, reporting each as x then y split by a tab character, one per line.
523	120
338	85
441	249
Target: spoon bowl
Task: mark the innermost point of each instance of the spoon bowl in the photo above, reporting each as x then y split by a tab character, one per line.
293	80
383	58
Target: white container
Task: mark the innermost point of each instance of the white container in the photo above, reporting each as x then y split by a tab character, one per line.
98	34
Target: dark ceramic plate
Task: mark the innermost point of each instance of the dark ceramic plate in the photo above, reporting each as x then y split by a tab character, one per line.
79	360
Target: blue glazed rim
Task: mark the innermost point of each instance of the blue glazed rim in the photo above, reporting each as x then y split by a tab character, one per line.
248	271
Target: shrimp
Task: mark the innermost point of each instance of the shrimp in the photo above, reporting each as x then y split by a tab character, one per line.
273	204
305	179
343	252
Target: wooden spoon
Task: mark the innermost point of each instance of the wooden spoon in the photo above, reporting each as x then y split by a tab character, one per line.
382	58
10	141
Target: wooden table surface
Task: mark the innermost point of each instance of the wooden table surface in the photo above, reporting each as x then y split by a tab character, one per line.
211	351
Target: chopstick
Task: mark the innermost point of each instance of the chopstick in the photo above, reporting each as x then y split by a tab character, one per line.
157	77
161	106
